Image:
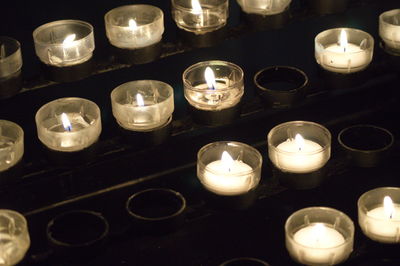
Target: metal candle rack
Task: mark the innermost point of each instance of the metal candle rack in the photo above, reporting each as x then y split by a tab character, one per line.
210	234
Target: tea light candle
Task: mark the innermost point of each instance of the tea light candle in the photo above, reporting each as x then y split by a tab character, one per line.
64	43
344	50
264	7
319	236
200	16
213	85
134	26
11	144
15	240
380	222
142	105
290	152
68	124
389	29
229	168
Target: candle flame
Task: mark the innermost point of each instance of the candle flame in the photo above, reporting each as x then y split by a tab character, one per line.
299	141
66	123
227	160
139	99
69	39
343	40
388	207
210	78
196	7
132	24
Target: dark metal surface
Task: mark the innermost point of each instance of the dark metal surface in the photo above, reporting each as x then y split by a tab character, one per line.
118	169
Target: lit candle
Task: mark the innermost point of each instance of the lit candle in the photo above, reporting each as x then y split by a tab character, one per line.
380	222
11	144
134	26
198	16
213	85
228	176
229	168
143	105
64	43
389	29
68	124
264	7
299	155
351	53
319	236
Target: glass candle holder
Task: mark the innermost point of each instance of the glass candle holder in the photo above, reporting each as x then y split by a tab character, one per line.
134	26
344	50
10	67
389	30
142	105
366	145
68	124
11	144
15	240
64	43
229	168
222	88
319	236
245	262
264	7
299	146
200	16
379	214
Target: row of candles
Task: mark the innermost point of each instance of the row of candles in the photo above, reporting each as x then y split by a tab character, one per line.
68	43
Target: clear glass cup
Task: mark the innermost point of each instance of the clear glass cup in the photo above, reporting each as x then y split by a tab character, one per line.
64	42
11	144
344	50
10	57
68	124
200	16
319	236
134	26
226	92
264	7
379	214
14	235
142	105
229	167
389	30
299	146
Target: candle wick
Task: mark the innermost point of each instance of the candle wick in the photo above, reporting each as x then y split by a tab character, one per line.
69	128
344	49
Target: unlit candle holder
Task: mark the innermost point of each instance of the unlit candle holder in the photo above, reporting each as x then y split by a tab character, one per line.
157	210
343	55
135	32
230	173
77	234
65	47
201	22
379	214
10	67
15	240
69	128
299	151
319	236
143	109
366	145
11	149
214	90
281	86
265	14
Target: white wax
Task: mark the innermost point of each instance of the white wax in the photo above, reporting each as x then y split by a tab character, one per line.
289	157
335	58
220	179
381	226
318	245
